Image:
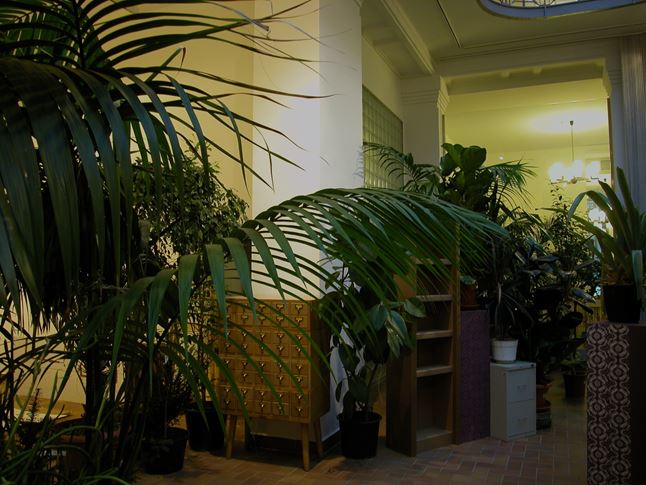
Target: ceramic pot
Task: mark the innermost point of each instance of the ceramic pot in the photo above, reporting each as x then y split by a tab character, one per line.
504	350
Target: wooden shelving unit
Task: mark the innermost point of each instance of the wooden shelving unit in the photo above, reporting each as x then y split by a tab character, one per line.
421	385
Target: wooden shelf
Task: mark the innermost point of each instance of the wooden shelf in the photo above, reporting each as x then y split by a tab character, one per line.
433	370
431	334
435	298
421	390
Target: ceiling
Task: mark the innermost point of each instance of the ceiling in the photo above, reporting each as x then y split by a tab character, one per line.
506	111
412	35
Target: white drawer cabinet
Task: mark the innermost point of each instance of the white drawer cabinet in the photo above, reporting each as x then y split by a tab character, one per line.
513	400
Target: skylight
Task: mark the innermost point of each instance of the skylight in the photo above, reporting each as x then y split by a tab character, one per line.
549	8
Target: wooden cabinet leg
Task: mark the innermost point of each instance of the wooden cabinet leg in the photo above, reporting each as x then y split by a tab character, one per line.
231	433
317	437
305	439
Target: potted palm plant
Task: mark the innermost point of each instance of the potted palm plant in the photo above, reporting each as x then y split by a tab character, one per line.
620	251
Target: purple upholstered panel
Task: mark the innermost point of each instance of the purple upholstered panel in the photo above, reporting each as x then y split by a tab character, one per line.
473	379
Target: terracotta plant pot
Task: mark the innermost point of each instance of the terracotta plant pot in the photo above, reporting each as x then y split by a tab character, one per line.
543	407
468	297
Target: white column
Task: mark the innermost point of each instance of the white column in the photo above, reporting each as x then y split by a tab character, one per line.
633	63
328	130
425	102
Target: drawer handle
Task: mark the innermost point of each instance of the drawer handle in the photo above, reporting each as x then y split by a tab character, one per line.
300	411
262	336
227	402
280	379
262	365
245	375
281	348
299	367
262	405
299	307
280	336
245	317
300	397
299	320
299	379
244	392
244	346
300	338
245	363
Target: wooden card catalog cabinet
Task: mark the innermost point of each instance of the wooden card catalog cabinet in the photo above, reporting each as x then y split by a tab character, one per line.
302	399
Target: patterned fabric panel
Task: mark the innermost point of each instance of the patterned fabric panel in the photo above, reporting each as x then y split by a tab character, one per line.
609	444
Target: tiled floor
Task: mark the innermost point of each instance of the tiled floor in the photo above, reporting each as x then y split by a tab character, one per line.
553	457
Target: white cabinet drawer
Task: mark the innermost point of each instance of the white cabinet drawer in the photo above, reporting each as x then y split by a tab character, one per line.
521	385
521	418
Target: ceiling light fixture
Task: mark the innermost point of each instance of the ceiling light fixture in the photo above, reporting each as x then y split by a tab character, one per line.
576	170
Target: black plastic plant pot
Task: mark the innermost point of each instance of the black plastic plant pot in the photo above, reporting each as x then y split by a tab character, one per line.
621	303
204	436
359	435
165	455
574	383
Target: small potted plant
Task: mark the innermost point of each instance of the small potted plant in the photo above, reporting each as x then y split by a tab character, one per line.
620	251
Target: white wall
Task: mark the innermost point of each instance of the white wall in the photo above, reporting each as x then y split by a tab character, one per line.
381	80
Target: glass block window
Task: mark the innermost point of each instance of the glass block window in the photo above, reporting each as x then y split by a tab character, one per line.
380	125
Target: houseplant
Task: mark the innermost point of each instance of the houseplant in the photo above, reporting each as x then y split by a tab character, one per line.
368	337
81	109
461	177
621	251
178	221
